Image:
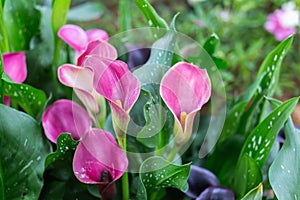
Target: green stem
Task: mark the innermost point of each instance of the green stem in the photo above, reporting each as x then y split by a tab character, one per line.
4	45
124	15
125	184
55	66
173	153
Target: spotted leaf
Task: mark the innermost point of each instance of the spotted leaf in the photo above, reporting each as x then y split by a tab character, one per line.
285	170
156	173
30	99
258	144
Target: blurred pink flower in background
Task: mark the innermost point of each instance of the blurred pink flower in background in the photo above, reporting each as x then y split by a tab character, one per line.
283	22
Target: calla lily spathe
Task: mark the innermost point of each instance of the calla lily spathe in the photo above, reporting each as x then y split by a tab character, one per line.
15	67
78	39
98	159
185	88
114	81
65	116
80	78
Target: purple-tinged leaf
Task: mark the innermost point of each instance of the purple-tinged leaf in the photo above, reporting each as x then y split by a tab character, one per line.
199	180
216	193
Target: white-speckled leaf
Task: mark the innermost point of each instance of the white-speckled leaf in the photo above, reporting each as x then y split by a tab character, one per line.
30	99
284	172
258	144
157	173
260	141
269	72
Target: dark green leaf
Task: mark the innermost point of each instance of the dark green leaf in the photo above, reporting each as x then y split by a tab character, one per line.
155	120
226	155
258	145
64	152
86	12
211	44
247	175
255	193
260	141
284	172
2	192
269	70
157	173
22	23
23	152
29	98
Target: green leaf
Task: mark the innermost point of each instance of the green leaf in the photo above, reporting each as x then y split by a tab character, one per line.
270	71
151	16
87	11
160	60
211	44
124	15
235	114
232	120
255	193
155	120
65	149
259	142
29	98
226	155
4	46
284	172
2	192
22	23
22	153
60	10
247	175
156	173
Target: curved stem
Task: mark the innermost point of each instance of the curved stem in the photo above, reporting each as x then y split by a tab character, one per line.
173	152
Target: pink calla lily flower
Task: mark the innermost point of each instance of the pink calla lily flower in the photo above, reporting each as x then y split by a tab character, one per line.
98	158
98	48
185	88
78	39
15	67
65	116
81	78
114	81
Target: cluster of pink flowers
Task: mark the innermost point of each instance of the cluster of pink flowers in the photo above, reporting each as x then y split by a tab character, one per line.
283	22
99	159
